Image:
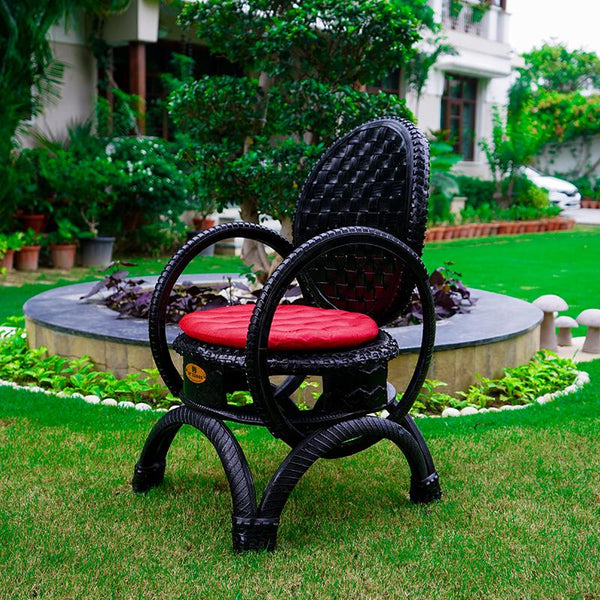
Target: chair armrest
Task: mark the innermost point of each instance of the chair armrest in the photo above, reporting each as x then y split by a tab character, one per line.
262	317
172	271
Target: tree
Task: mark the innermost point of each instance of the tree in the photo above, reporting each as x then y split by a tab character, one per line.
513	144
555	68
307	64
550	102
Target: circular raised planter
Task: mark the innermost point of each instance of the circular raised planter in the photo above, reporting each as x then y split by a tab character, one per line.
501	331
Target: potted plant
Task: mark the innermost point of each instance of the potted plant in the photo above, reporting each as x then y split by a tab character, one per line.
90	187
33	190
586	189
28	256
478	10
96	250
204	221
63	244
456	7
6	260
9	244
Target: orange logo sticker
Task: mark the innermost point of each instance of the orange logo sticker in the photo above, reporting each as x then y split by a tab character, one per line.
195	373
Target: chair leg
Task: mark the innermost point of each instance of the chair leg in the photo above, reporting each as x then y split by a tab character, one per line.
424	484
427	489
256	529
149	470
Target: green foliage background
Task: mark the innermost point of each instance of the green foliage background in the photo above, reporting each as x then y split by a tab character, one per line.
306	66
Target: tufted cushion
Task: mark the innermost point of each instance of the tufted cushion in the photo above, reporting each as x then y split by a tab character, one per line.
294	327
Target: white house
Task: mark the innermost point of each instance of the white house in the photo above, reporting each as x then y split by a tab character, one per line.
458	96
462	89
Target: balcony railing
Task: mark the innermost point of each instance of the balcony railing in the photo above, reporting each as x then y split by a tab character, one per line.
491	25
464	22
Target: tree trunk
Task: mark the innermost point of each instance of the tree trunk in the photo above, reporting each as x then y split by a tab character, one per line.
286	232
253	253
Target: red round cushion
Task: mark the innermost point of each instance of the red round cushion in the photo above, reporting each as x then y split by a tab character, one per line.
294	327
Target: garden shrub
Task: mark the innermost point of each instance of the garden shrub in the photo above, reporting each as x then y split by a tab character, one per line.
543	374
526	193
477	191
27	366
302	62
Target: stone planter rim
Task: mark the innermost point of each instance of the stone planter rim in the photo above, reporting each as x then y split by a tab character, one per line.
61	310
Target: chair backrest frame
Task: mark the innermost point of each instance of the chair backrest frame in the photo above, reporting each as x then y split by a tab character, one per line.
377	176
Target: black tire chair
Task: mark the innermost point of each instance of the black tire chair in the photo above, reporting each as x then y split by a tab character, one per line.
358	233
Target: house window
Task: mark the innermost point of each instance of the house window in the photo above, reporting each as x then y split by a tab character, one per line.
459	104
390	84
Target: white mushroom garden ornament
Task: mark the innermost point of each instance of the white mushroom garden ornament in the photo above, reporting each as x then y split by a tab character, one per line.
564	325
549	304
591	319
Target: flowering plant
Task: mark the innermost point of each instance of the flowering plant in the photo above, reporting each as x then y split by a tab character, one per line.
151	178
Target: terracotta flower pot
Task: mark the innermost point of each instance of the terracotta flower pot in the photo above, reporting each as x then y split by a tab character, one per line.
530	226
459	232
436	233
35	222
8	260
63	256
504	228
485	229
594	203
27	258
448	232
494	227
203	224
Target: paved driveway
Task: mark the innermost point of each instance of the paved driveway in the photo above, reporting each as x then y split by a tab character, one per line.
585	216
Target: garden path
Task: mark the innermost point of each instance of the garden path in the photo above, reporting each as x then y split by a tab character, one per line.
574	352
585	216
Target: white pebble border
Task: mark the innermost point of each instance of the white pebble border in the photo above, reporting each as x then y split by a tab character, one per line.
581	379
90	398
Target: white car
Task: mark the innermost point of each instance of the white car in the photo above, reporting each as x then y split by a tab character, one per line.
561	193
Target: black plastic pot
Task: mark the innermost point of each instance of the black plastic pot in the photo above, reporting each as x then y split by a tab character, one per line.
96	252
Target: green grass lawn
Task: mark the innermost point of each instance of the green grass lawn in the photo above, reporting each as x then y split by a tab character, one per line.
519	519
565	263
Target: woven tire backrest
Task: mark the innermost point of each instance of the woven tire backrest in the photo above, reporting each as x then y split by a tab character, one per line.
376	176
